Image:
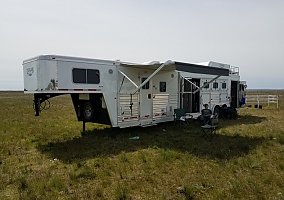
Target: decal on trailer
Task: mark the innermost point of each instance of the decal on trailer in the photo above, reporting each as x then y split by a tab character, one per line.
30	71
53	85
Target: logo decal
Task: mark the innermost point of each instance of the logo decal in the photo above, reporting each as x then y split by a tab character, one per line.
30	71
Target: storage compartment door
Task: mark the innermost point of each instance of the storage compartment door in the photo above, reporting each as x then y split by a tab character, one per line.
146	103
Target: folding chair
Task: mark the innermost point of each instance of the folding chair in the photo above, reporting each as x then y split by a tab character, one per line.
210	128
182	117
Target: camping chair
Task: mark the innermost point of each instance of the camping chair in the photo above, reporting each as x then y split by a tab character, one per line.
211	126
182	117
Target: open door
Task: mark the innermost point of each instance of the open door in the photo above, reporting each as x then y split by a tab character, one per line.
234	94
191	100
242	93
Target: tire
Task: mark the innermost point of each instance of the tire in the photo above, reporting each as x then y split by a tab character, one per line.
234	113
88	111
223	112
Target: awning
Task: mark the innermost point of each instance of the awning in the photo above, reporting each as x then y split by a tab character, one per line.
201	69
185	67
171	65
148	66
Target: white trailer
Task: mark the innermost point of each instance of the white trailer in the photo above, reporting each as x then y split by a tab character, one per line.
125	94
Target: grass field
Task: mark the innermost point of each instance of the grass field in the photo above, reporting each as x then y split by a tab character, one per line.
48	157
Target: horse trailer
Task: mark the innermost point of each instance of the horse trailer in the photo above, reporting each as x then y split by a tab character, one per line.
123	94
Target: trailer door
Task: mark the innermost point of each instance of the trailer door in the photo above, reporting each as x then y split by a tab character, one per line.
191	100
146	103
234	94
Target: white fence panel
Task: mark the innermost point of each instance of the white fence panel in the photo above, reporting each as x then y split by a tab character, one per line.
257	99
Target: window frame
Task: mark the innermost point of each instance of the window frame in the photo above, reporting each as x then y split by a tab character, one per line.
74	74
86	78
147	85
206	87
97	73
214	84
165	86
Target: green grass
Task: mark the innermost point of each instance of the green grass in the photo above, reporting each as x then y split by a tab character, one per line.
48	157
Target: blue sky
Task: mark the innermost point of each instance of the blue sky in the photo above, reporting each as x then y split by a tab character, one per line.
248	34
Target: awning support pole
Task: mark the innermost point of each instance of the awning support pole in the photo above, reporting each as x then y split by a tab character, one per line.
128	78
169	62
191	82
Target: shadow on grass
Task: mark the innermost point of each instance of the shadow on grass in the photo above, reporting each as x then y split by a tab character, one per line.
244	119
110	142
249	119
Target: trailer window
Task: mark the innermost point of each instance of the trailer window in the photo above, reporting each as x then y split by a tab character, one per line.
224	85
146	86
93	76
206	85
163	86
90	76
79	75
215	85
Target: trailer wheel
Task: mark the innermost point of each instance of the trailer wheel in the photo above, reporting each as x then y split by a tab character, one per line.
88	111
223	112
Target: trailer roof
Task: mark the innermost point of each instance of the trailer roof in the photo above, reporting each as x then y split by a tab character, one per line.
180	66
68	58
214	64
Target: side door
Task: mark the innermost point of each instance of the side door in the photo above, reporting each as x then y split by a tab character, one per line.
187	96
191	102
146	102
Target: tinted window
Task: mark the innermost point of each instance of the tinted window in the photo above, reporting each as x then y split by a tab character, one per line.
146	86
224	85
215	85
79	75
206	85
93	76
163	86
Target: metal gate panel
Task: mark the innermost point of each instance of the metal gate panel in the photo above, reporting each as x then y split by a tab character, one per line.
128	108
160	105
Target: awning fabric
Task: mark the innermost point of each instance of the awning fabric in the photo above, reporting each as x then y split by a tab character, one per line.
185	67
